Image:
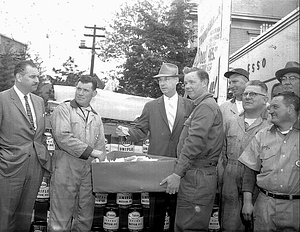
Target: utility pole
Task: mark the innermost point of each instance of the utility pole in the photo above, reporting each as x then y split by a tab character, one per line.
82	45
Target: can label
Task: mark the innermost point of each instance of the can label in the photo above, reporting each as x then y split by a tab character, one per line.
43	194
145	146
135	221
124	198
100	198
214	219
111	219
49	141
145	198
125	146
39	228
167	222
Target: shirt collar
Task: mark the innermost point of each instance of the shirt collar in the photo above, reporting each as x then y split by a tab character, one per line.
202	97
74	104
19	93
296	126
173	98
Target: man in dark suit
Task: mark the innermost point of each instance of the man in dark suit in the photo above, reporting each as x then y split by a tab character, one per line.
23	154
162	119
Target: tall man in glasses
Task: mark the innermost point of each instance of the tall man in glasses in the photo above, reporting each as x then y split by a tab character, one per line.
239	131
289	77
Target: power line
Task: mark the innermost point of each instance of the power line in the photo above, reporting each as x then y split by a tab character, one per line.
93	48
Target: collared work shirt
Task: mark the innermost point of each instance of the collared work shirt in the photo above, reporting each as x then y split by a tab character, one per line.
238	136
228	109
276	158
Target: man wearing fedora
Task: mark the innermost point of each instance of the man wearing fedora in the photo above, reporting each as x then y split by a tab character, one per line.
162	120
289	77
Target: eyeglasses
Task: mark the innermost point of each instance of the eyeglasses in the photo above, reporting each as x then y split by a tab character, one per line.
291	78
252	94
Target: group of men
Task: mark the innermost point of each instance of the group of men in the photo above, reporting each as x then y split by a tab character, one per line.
246	174
247	148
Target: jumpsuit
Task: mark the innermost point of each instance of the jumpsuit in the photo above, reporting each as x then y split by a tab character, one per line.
76	135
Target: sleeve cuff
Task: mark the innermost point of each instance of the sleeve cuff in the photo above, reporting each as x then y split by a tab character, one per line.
86	154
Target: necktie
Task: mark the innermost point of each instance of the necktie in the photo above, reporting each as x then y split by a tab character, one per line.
29	113
171	115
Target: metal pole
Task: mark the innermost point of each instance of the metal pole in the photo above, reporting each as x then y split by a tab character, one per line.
93	52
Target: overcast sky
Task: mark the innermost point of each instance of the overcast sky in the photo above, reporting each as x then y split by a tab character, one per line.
54	28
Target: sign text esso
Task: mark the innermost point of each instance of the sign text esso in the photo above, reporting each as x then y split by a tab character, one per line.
260	64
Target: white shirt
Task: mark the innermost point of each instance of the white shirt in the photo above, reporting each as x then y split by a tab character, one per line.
239	105
250	121
21	96
173	101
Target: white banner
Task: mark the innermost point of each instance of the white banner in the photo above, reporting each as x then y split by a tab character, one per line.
213	40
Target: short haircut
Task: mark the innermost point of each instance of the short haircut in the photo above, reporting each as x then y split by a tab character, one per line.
290	98
259	83
88	79
203	75
21	66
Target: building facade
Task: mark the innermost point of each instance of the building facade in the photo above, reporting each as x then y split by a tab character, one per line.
249	18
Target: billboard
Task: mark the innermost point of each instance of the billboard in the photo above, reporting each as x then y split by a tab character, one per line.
213	43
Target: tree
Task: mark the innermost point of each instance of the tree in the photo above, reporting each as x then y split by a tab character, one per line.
7	64
145	35
68	74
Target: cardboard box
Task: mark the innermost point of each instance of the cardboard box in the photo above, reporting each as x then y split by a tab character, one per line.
139	176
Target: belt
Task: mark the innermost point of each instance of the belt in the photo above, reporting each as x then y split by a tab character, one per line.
280	196
203	164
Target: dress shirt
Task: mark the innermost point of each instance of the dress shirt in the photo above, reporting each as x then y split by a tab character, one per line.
171	101
21	96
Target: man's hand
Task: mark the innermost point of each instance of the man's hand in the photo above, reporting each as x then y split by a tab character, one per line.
247	209
122	131
173	182
98	154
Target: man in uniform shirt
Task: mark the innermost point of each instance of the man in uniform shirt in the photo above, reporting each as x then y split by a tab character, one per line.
239	130
272	162
237	79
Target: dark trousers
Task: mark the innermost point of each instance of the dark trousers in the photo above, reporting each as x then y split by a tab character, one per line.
18	194
160	202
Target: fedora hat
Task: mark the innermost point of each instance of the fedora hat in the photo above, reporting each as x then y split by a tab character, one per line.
167	70
240	71
291	66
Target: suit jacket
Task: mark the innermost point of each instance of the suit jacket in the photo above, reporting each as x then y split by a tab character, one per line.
154	122
17	137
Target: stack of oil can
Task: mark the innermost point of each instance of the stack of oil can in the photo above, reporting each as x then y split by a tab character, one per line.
123	212
40	213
